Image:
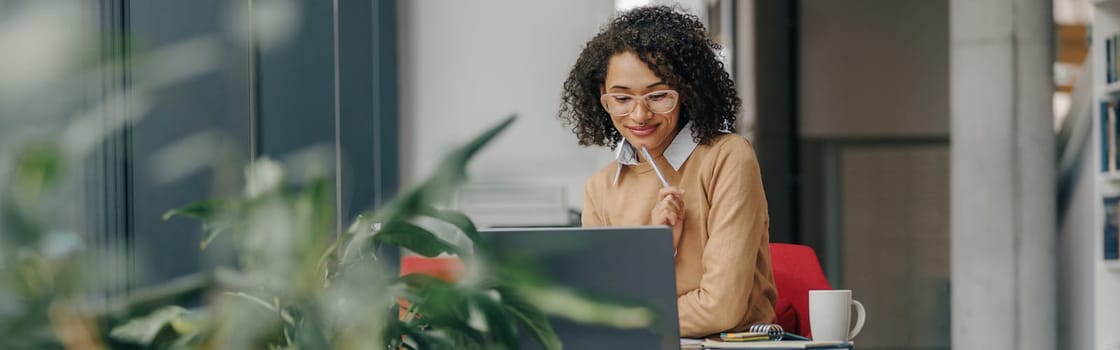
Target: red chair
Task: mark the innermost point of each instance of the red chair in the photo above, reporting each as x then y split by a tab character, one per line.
796	272
449	269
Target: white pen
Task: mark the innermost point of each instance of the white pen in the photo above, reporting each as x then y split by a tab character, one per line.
645	152
664	183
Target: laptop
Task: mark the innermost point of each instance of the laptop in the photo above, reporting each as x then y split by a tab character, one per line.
630	265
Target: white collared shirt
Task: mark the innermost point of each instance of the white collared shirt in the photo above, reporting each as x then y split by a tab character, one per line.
675	154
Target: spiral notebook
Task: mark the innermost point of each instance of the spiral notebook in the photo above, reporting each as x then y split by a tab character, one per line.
761	336
770	344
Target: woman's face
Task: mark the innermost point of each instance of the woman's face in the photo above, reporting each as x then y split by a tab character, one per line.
627	74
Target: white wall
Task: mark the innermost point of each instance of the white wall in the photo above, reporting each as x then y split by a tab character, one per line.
467	64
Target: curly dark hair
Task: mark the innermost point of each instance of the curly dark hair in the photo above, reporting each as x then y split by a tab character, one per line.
676	47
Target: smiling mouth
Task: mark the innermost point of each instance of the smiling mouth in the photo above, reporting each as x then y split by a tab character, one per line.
642	131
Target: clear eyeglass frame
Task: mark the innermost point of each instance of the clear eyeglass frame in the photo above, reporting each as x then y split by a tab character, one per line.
619	104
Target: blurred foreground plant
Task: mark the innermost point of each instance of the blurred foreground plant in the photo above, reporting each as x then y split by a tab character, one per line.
41	280
299	283
300	286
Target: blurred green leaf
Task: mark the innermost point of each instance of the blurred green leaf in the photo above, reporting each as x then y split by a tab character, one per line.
460	221
453	170
437	299
394	328
274	306
334	310
19	227
446	308
38	168
206	209
184	342
417	280
415	238
531	318
189	322
562	302
147	300
317	196
210	231
460	333
401	334
143	330
501	327
214	214
309	333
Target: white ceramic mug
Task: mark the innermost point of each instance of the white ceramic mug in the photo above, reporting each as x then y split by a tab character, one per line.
830	315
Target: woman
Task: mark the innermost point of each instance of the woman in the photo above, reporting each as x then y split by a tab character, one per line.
651	79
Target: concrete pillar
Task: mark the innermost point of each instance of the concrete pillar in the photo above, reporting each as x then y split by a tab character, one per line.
1002	158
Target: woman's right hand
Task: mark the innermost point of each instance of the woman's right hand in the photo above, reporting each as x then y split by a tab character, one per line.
669	211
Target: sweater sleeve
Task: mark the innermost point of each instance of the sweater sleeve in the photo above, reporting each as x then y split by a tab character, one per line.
737	225
590	215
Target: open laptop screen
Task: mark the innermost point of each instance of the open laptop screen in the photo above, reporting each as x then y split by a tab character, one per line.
633	265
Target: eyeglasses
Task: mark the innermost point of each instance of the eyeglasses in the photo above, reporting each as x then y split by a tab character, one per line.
621	105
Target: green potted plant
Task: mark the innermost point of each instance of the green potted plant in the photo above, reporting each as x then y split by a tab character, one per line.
302	286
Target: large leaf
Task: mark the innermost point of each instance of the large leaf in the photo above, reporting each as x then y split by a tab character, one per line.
215	213
502	328
531	318
143	330
393	331
453	170
397	332
38	168
460	221
415	238
206	209
146	300
316	195
446	308
587	309
442	307
274	307
436	299
459	332
309	333
361	233
211	230
18	226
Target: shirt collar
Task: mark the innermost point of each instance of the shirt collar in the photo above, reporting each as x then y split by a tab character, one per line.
677	152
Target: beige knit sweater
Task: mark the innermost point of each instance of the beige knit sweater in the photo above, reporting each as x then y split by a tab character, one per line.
724	281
